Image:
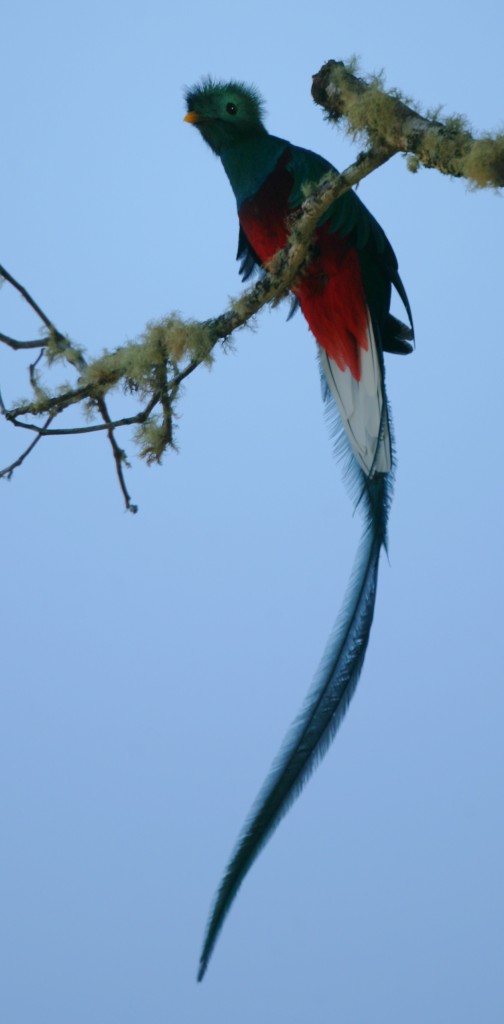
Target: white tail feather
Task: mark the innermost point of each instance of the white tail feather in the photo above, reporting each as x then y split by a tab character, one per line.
362	407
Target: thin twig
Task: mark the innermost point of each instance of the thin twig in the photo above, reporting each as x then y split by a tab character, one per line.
90	428
28	298
12	343
118	454
8	471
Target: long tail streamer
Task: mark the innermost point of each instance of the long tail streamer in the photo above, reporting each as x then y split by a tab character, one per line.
313	730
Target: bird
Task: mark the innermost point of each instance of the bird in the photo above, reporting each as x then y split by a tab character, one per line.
344	292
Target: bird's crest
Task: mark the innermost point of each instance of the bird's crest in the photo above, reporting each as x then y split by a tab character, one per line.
210	98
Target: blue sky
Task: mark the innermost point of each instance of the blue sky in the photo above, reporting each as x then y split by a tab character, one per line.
151	664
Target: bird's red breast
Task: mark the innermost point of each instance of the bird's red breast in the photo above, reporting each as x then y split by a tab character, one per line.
330	289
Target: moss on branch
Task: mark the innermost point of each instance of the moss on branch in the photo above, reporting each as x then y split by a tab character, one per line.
389	119
153	367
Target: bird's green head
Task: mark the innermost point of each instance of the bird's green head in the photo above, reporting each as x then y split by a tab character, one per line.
225	112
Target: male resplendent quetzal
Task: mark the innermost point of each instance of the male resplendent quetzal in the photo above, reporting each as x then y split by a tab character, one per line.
344	292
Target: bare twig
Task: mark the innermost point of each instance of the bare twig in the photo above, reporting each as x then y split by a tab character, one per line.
7	472
77	360
12	343
28	298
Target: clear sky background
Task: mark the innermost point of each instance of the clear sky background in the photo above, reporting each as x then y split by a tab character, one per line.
152	664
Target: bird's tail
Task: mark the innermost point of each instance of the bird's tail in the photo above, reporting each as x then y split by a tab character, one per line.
326	703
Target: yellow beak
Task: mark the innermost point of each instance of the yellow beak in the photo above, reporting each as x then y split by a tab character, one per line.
192	117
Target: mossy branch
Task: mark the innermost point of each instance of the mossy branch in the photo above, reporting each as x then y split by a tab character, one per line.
169	350
153	367
388	119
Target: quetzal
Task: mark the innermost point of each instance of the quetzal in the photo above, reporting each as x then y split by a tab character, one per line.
344	292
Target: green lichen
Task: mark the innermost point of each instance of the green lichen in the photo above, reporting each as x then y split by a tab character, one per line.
372	113
58	347
484	163
139	365
153	438
177	339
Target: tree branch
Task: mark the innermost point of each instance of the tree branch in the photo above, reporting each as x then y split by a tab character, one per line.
448	146
8	470
62	348
154	367
12	343
166	343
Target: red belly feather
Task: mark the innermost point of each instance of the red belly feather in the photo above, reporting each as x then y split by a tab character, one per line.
330	290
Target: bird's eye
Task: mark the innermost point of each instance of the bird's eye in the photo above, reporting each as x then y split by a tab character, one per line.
231	108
